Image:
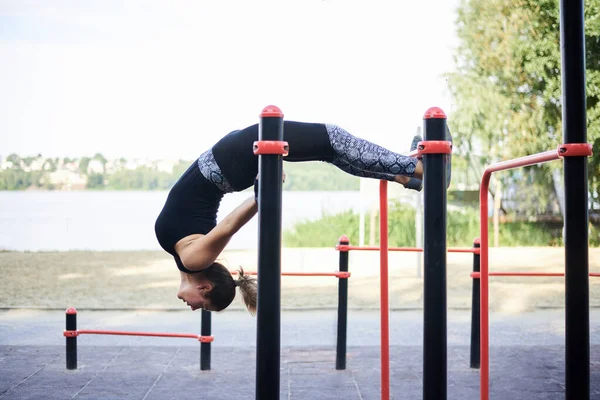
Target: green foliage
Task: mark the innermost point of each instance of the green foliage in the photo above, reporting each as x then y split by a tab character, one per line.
462	229
507	86
17	179
95	181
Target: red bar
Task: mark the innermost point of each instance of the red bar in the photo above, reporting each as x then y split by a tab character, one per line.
336	274
383	282
477	274
406	249
551	155
203	339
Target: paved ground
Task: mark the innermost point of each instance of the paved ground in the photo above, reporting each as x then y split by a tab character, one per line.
527	357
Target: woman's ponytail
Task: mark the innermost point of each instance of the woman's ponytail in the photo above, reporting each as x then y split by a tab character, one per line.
248	288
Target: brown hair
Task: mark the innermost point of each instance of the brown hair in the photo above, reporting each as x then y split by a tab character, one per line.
223	290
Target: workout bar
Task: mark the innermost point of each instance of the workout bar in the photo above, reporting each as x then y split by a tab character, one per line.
340	274
71	333
200	338
477	275
435	358
406	249
268	330
574	124
475	309
342	319
539	158
205	347
383	292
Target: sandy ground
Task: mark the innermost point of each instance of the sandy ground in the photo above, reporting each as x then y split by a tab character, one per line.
140	280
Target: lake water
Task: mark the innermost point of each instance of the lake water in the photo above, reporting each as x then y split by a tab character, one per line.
117	220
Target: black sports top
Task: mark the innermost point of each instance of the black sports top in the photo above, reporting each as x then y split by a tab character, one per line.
191	207
230	166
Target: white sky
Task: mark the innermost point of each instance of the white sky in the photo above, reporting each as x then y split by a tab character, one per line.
167	79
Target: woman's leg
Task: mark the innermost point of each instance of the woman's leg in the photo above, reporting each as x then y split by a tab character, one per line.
363	158
356	156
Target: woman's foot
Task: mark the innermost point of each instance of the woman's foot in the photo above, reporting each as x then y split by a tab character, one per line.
414	183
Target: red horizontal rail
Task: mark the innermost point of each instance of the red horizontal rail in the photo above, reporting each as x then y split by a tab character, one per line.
345	247
342	275
477	275
203	339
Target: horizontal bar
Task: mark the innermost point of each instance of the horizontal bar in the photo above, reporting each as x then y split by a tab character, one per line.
343	247
338	274
203	339
477	275
533	159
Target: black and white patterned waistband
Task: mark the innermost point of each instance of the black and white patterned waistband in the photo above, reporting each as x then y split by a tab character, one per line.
212	172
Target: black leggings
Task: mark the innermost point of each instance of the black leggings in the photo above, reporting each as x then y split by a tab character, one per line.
232	165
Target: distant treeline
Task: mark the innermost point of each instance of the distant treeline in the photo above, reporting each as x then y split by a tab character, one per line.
98	173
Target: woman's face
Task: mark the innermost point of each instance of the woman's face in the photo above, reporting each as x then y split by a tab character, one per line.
194	295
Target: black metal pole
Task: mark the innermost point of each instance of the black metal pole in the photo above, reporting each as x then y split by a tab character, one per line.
268	338
434	249
475	320
205	348
342	321
577	335
71	325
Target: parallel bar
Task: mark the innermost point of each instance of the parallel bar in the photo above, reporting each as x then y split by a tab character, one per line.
268	337
484	374
153	334
339	274
500	273
205	348
342	317
574	123
435	357
383	290
406	249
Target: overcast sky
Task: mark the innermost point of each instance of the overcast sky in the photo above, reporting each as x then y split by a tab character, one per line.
167	79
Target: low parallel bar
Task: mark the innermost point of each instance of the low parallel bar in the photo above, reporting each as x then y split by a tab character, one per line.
339	274
203	339
406	249
477	275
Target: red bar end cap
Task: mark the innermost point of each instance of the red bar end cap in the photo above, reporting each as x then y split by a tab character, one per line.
271	111
71	311
434	112
344	239
476	241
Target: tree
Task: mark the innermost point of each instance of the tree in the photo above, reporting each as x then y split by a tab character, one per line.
507	88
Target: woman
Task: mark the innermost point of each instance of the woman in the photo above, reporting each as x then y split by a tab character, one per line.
187	229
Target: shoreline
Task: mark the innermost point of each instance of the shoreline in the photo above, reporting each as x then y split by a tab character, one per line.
148	280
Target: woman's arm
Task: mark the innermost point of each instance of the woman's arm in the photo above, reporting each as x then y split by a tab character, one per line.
203	251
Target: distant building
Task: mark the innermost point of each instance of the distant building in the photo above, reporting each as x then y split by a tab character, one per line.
67	180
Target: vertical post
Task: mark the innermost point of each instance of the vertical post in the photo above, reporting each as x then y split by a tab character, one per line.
71	325
419	233
475	307
383	290
342	320
574	121
435	318
205	348
268	337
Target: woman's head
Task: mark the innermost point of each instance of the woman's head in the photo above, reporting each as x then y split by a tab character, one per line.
213	289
